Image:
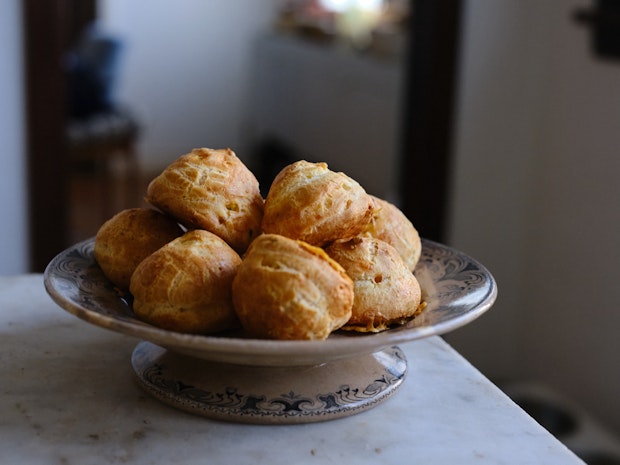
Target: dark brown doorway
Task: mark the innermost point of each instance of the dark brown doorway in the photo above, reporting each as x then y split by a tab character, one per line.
49	29
82	160
427	130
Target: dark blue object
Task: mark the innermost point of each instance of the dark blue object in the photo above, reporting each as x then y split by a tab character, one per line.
92	72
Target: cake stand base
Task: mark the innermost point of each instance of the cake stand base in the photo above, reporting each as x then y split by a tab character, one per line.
269	395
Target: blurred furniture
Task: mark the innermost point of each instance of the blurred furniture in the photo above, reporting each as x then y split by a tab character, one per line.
103	146
101	136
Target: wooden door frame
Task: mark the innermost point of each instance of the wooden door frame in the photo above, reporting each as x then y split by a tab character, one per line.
432	68
50	27
427	121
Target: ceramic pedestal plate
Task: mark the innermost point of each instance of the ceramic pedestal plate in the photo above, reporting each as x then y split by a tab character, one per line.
234	378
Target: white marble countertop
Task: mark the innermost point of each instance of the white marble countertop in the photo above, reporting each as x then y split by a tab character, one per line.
68	396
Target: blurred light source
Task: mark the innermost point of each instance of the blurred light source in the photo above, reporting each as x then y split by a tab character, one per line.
355	19
340	6
337	6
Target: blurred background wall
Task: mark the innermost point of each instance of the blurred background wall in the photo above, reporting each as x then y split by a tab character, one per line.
533	195
186	70
13	197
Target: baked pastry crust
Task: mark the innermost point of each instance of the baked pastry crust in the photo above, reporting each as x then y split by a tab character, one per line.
390	224
212	190
127	238
386	291
186	285
287	289
309	202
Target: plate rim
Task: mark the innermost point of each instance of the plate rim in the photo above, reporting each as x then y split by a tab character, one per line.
218	345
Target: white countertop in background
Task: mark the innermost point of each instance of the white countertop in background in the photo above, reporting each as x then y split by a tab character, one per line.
67	396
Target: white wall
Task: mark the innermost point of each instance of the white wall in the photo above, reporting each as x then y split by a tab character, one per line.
495	147
186	70
348	118
536	199
576	230
13	204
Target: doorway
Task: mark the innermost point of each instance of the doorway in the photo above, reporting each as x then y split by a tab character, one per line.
426	124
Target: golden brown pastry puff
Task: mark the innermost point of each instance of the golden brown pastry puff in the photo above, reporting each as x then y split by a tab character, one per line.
186	285
127	238
391	225
213	190
288	289
386	292
309	202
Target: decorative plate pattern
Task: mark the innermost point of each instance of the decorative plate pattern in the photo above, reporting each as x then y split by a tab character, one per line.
268	395
456	287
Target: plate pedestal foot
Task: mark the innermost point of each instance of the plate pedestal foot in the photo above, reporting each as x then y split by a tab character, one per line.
269	395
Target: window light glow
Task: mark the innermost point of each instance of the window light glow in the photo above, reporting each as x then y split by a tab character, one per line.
340	6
